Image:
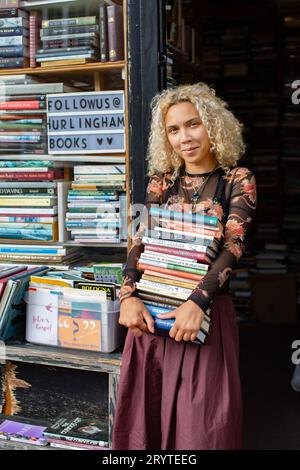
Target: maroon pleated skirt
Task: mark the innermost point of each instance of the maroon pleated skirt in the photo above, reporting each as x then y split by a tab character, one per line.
181	396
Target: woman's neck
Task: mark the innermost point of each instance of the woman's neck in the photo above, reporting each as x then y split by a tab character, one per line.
199	169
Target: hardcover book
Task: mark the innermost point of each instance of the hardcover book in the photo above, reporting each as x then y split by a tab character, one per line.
82	430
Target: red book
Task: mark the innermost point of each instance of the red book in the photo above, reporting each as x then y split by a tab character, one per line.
115	32
30	104
33	176
34	38
4	280
174	272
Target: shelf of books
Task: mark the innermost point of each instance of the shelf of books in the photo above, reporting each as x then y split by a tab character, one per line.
64	182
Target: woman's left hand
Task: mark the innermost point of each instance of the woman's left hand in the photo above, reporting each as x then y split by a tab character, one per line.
188	321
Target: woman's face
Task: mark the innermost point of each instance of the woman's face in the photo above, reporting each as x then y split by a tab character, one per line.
188	136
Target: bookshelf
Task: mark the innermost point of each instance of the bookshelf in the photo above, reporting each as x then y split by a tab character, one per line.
249	52
98	371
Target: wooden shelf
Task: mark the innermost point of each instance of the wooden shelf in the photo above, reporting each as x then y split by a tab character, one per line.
99	245
90	5
68	158
91	67
60	357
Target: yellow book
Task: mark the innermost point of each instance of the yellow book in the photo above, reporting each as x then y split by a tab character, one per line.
57	63
52	281
187	285
28	201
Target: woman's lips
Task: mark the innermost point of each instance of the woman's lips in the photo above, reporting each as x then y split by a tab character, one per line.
190	150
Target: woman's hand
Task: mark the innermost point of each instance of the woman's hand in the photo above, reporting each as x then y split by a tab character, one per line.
135	316
188	321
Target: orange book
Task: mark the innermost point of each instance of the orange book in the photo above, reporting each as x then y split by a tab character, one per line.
171	278
173	272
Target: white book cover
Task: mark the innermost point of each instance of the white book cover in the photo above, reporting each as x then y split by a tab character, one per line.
42	316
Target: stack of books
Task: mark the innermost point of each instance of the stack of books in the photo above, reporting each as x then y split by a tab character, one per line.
69	41
14	38
23	123
23	113
179	248
50	255
28	200
96	207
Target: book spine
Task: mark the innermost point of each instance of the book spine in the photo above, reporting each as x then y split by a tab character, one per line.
13	22
13	62
206	240
164	280
69	30
27	201
157	298
82	20
11	12
184	216
174	259
25	220
46	175
177	267
103	32
170	288
32	104
14	41
61	43
69	36
190	229
115	32
174	244
164	292
176	252
26	191
169	278
173	272
34	24
17	31
14	51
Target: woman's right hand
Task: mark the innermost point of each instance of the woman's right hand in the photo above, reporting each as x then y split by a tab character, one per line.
135	316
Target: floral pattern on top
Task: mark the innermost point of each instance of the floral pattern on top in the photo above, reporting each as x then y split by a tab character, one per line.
240	194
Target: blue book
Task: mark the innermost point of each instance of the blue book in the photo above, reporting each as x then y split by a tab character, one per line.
184	216
163	326
29	250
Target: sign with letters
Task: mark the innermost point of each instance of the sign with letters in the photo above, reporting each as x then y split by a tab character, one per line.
91	122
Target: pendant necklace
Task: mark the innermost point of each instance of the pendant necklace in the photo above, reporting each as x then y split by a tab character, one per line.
199	190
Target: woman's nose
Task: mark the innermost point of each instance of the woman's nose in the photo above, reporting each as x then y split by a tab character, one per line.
185	136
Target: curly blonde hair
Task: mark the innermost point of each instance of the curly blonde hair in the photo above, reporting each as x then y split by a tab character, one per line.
224	130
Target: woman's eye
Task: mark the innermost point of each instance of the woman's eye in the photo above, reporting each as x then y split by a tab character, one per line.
193	124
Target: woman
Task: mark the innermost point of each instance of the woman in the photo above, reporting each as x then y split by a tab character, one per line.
172	393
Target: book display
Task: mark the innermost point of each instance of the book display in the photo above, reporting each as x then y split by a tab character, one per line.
64	190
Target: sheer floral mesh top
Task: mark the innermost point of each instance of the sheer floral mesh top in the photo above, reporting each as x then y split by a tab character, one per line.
230	196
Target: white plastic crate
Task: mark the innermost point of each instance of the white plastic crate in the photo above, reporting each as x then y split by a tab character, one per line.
79	323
